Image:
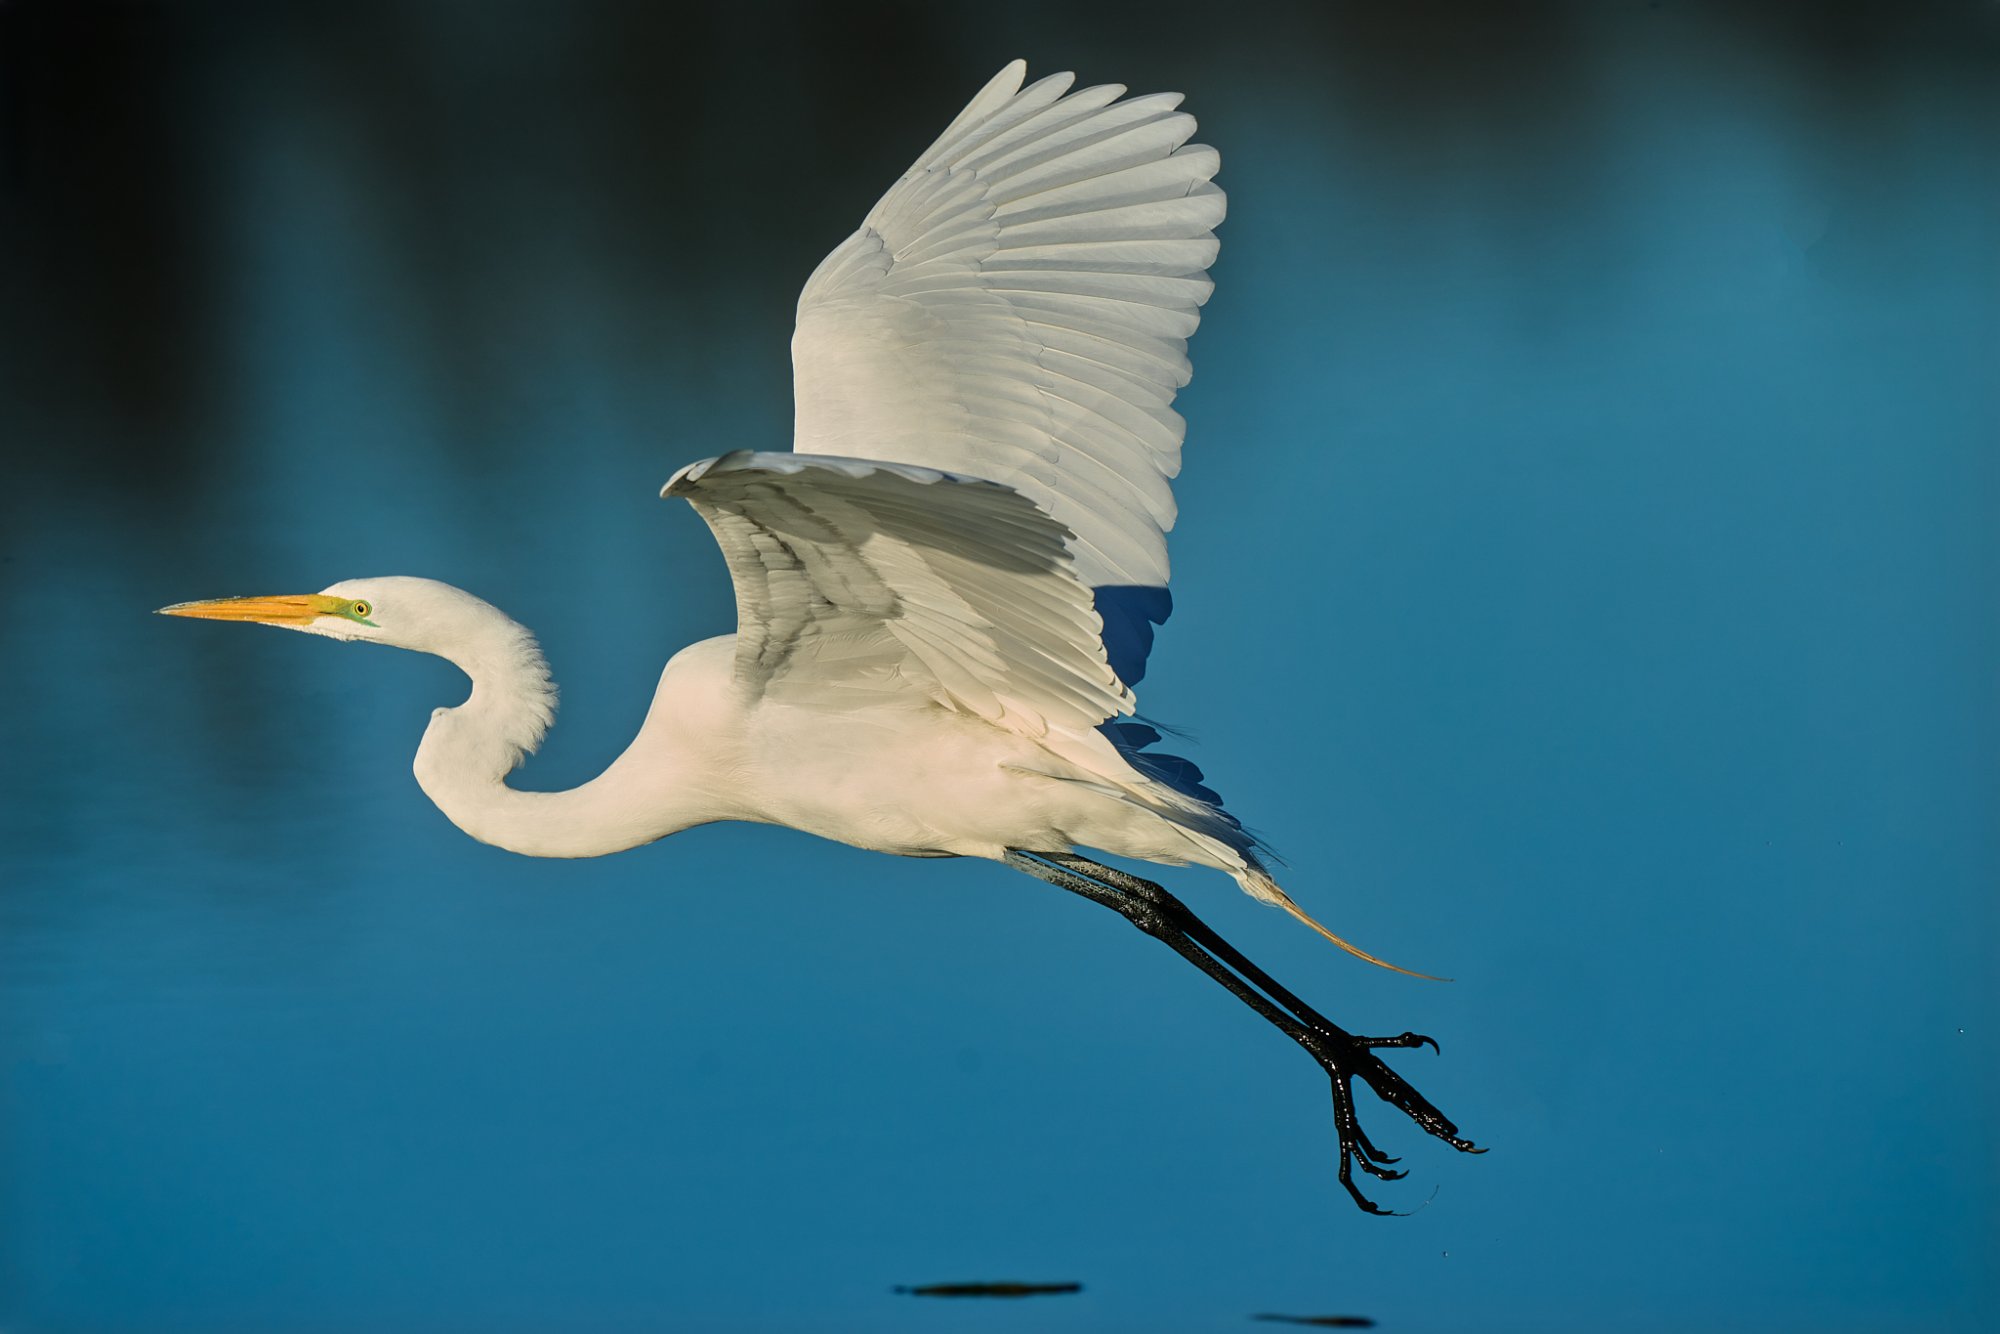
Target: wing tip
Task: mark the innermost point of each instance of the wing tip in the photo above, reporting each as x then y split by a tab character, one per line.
684	479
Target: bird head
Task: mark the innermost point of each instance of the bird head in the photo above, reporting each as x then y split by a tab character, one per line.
419	614
429	617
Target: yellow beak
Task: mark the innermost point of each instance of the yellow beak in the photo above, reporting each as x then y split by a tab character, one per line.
297	610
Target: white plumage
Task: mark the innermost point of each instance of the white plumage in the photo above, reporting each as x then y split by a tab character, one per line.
984	378
985	436
1017	308
857	580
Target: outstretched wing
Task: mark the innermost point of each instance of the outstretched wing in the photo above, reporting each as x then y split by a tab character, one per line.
857	578
1017	308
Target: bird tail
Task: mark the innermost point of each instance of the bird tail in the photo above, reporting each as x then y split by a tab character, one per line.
1172	789
1258	884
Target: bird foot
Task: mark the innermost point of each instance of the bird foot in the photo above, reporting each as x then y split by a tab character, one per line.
1346	1057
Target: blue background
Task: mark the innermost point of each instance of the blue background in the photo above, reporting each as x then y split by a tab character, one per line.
1586	577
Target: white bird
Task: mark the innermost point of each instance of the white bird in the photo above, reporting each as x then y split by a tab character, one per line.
946	590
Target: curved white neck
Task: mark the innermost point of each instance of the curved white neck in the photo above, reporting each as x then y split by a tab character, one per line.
467	753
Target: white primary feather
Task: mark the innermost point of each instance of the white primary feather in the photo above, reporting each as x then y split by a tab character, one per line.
1016	308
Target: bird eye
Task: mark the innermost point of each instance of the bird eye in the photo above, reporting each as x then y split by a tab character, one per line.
361	609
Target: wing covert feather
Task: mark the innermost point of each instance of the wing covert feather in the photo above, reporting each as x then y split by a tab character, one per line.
855	577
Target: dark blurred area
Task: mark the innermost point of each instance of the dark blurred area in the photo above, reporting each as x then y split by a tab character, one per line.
118	121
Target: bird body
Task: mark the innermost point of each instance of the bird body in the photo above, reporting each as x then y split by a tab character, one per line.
983	446
947	589
895	774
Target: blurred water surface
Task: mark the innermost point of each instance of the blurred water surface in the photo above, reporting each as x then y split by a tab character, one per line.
1586	575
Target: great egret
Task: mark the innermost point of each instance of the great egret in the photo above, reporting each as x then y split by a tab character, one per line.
946	590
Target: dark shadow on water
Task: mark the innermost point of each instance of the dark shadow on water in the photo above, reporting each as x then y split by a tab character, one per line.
1321	1321
1003	1289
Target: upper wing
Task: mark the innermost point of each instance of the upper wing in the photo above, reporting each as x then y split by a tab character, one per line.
1017	308
855	578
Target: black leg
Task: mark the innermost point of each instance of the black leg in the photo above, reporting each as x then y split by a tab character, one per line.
1344	1056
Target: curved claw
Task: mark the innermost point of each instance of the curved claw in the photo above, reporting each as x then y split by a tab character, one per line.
1372	1161
1357	1148
1380	1173
1361	1201
1368	1150
1366	1205
1408	1041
